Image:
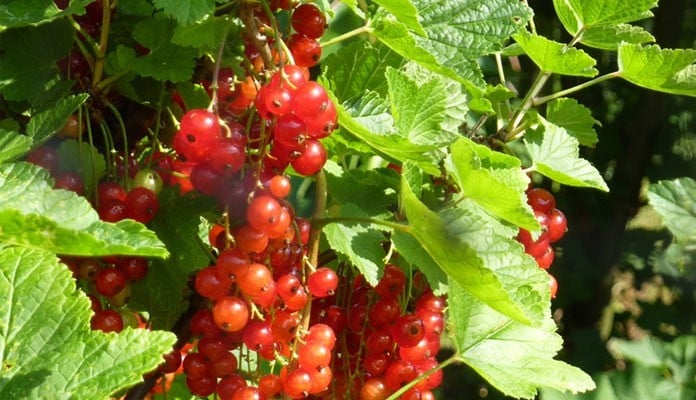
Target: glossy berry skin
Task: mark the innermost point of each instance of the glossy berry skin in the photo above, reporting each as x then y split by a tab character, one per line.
308	20
558	225
231	313
553	286
203	386
322	282
107	321
110	281
70	181
263	212
408	330
541	200
305	50
311	158
142	204
44	156
199	131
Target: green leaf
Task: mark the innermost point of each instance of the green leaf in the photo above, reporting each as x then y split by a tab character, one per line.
186	12
359	244
84	159
675	201
665	70
610	36
493	180
45	124
555	154
405	12
13	145
28	68
459	32
46	346
649	351
409	248
373	191
575	118
420	106
166	61
556	58
603	24
16	13
34	215
495	245
163	291
194	95
513	357
359	68
391	145
205	34
456	257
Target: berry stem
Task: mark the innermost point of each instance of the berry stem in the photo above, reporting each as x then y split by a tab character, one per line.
576	88
527	103
422	376
367	28
100	50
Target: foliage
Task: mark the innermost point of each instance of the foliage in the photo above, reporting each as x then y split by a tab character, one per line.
429	168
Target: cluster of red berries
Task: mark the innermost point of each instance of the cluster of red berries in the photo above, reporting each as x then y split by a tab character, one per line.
554	225
326	336
75	66
107	283
47	157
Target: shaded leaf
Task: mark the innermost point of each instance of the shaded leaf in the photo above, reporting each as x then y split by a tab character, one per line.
675	201
166	61
610	36
163	291
186	12
13	145
84	159
46	345
28	68
16	13
204	34
359	244
359	68
45	124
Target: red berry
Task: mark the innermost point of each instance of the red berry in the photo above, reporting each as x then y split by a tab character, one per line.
408	330
142	204
70	181
553	286
305	50
263	212
557	225
231	313
322	282
107	321
311	158
110	281
541	200
308	20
